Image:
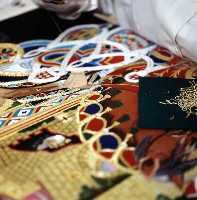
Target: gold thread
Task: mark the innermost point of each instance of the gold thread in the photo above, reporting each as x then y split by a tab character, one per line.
186	100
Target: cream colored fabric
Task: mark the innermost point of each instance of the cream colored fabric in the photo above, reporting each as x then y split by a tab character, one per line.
170	23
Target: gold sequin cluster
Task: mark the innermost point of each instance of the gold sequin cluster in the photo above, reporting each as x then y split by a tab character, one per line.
186	100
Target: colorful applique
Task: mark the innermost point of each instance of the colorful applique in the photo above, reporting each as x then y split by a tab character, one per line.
9	53
34	44
81	32
128	38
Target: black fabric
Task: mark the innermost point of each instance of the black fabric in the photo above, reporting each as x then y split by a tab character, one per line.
159	109
39	24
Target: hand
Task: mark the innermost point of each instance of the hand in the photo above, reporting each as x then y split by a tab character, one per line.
68	9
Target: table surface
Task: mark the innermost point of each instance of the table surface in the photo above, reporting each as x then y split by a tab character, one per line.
13	11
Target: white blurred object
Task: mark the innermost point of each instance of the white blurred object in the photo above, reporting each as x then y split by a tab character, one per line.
53	142
5	3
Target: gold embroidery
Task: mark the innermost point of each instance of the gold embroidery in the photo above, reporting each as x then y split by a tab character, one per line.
187	100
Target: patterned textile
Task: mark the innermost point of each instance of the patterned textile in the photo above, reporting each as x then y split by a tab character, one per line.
92	115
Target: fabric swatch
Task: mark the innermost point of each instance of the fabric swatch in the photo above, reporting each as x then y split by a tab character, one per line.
168	103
